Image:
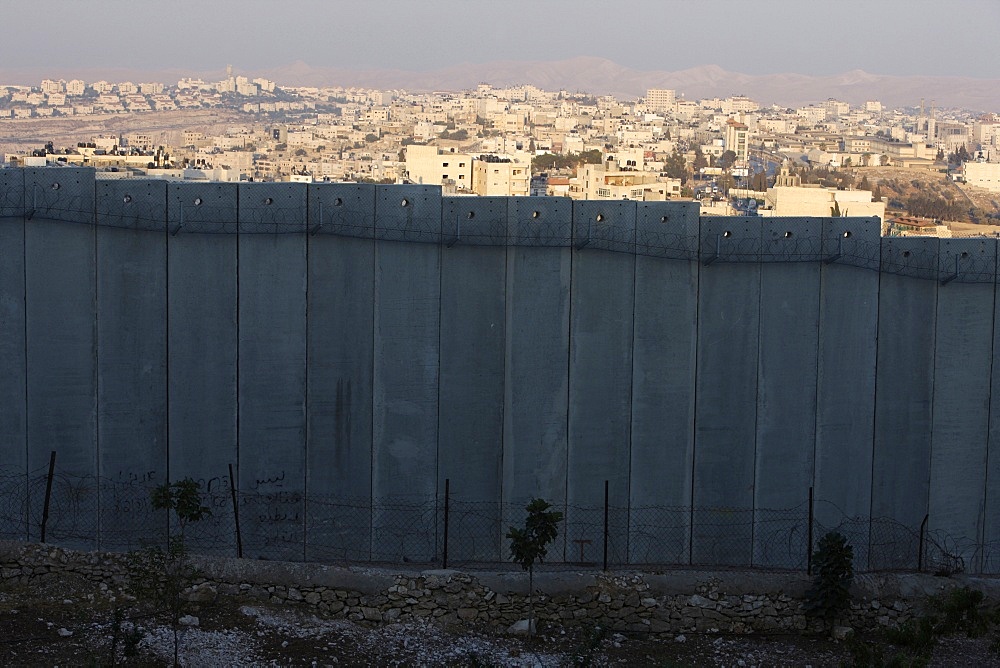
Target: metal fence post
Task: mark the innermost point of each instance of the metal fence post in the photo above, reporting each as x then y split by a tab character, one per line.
920	546
605	525
447	513
236	513
809	536
48	492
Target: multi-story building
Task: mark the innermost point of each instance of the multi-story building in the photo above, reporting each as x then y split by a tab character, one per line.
500	175
49	86
660	99
76	87
982	174
738	139
433	165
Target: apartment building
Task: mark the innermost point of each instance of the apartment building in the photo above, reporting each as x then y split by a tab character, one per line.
738	139
660	99
500	176
432	165
982	174
598	182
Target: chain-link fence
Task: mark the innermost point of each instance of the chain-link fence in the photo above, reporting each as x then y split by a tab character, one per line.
90	512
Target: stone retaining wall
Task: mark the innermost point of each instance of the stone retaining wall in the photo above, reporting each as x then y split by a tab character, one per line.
673	602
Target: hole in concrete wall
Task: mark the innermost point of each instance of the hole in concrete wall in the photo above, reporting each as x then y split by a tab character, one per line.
906	253
197	201
664	219
268	201
471	215
55	186
847	234
338	202
788	234
600	217
965	254
405	202
727	234
536	214
127	199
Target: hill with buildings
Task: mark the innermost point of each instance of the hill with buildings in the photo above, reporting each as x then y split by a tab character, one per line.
605	77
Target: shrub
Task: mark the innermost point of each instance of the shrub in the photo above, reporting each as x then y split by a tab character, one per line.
830	595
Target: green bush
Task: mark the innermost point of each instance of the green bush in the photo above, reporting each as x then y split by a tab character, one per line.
830	595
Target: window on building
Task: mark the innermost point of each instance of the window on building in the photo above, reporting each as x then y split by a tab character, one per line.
444	164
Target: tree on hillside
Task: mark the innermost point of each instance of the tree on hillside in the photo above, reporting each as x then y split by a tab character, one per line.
700	161
727	159
675	166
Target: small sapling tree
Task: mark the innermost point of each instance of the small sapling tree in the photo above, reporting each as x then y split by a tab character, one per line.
160	575
530	544
830	595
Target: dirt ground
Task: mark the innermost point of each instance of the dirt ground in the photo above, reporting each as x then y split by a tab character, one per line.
71	621
166	126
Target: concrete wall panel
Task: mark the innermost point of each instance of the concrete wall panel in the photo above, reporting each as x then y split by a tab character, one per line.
131	355
474	221
203	349
845	389
470	445
12	193
664	344
990	553
903	399
132	204
340	354
272	369
13	434
540	221
600	377
62	375
725	422
537	358
786	381
407	339
60	194
668	230
961	416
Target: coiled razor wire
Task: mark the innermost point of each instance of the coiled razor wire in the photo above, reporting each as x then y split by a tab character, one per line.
91	512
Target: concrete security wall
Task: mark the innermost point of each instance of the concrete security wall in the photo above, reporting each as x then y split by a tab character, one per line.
336	352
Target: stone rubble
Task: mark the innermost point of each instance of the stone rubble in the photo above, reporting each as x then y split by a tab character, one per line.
621	603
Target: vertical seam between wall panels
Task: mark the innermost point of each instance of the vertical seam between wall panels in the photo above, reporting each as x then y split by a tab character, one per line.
821	275
503	394
631	396
374	382
934	364
437	439
305	395
981	529
694	404
24	292
239	394
569	375
97	371
166	326
756	398
878	319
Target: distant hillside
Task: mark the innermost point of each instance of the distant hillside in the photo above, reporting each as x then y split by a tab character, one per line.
602	76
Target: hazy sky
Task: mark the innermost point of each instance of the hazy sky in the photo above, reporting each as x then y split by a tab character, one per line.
755	37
